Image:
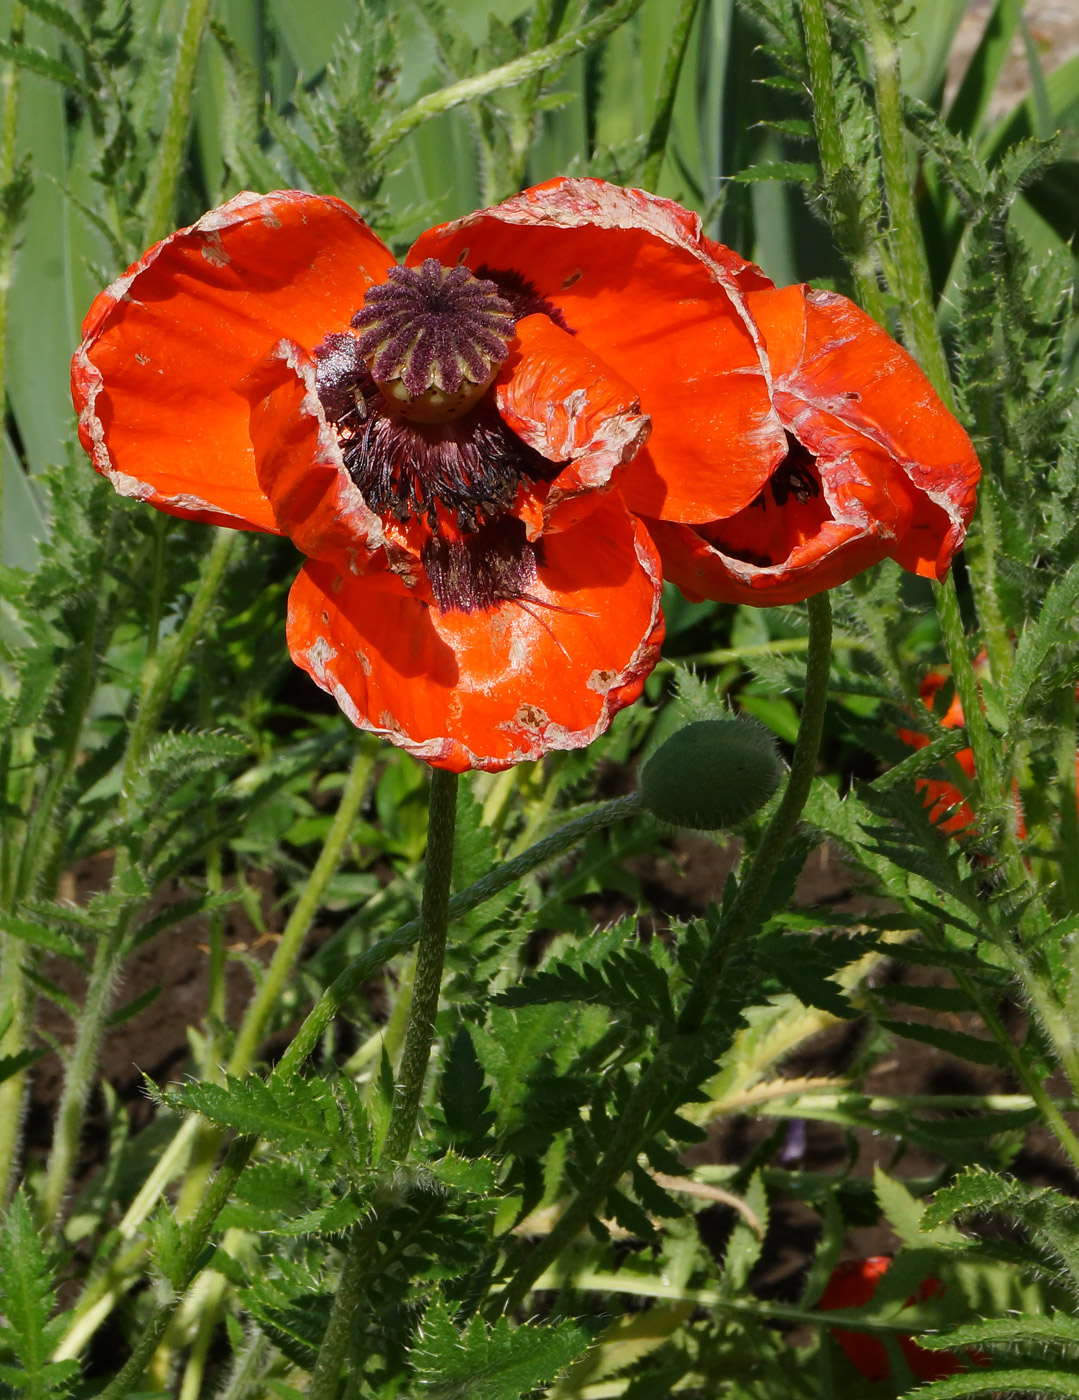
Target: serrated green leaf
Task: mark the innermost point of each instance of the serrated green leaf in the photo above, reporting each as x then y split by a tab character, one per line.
966	1047
39	935
36	61
1042	634
473	1175
497	1363
1045	1383
902	1210
12	1064
1059	1330
290	1112
27	1299
60	19
464	1095
929	998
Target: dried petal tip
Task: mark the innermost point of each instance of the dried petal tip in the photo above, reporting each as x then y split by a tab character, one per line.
434	338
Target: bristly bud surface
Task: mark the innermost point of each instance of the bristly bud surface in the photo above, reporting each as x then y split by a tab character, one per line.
434	338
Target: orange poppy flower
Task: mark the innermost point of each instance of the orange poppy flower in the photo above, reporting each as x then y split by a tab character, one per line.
442	439
852	1285
875	466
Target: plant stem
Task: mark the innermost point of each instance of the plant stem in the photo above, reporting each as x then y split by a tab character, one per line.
193	1241
912	270
636	1120
518	70
522	129
158	681
168	165
840	178
427	982
434	923
331	1354
398	942
299	921
159	528
656	145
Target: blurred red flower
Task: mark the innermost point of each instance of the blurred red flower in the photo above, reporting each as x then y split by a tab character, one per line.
948	808
852	1285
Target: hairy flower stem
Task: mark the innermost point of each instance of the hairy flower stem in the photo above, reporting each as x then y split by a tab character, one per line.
649	1098
518	70
299	921
167	167
840	178
158	681
193	1241
656	145
542	27
393	945
427	982
434	924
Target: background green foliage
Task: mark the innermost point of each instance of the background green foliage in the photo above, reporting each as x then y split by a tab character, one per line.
149	719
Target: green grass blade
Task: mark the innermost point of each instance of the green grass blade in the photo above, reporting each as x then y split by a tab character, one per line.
25	524
42	324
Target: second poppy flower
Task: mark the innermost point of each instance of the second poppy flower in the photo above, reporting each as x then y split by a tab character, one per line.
874	465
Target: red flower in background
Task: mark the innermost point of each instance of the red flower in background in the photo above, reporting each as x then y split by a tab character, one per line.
440	439
948	808
852	1285
875	466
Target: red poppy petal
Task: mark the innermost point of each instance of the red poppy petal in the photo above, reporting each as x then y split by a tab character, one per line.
299	466
157	379
826	351
782	550
665	307
567	404
499	686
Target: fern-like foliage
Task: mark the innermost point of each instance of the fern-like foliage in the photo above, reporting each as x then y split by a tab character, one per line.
1031	1354
496	1363
31	1327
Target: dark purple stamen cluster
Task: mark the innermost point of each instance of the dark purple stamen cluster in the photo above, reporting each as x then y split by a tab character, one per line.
480	570
434	327
522	296
793	477
471	468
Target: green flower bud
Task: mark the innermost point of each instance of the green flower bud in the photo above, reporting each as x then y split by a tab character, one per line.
713	773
